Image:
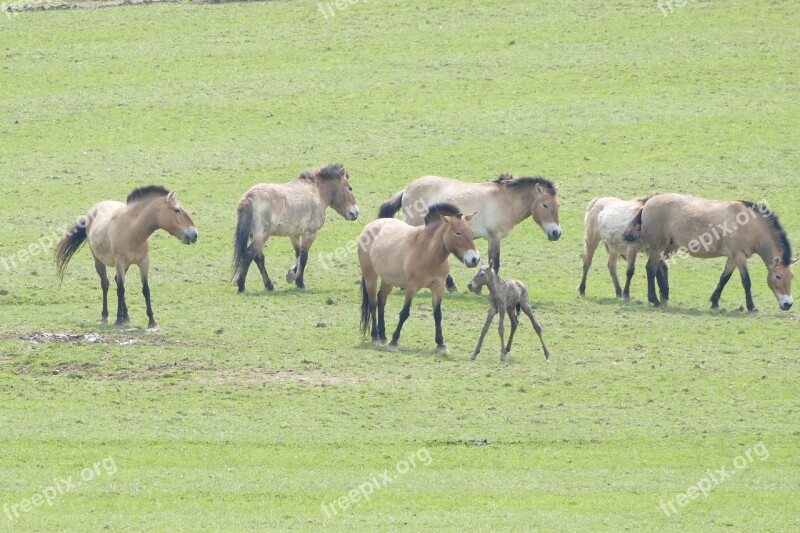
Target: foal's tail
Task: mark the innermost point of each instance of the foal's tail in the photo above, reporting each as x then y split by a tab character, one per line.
391	206
244	221
366	315
67	247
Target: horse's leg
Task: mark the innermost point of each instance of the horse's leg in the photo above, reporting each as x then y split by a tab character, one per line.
438	291
260	262
489	317
741	263
144	268
291	275
122	309
512	316
612	269
589	247
371	288
662	277
527	310
727	272
494	253
404	313
256	247
501	331
308	240
383	294
451	284
103	273
631	259
651	268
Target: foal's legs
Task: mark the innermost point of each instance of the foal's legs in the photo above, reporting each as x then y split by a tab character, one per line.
589	247
527	310
144	268
122	309
631	259
727	272
501	332
404	314
103	273
489	317
512	316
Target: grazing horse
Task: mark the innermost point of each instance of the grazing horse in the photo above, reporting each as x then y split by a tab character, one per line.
605	221
505	296
118	237
295	210
671	225
501	204
413	257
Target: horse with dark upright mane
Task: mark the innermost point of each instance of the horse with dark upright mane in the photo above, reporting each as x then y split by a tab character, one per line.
670	224
118	237
413	257
295	210
501	205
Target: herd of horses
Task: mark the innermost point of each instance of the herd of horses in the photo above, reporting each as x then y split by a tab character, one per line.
413	253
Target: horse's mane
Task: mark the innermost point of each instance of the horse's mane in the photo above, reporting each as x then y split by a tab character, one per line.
325	173
436	211
777	229
507	180
142	193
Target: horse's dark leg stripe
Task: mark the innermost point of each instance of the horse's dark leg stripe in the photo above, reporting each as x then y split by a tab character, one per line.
449	282
723	280
121	311
146	293
437	319
663	281
746	284
404	313
301	269
494	255
381	317
651	283
260	262
248	258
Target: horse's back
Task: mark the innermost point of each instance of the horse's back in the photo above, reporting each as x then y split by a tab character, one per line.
285	209
426	191
612	216
383	246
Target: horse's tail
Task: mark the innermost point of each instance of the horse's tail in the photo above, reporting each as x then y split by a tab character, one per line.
366	315
391	206
634	229
244	221
67	247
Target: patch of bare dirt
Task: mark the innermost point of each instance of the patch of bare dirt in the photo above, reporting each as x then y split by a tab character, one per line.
87	338
313	378
49	5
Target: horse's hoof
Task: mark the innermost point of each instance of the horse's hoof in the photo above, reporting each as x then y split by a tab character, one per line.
392	347
714	305
473	357
300	285
104	320
377	342
152	325
452	288
240	290
442	349
290	276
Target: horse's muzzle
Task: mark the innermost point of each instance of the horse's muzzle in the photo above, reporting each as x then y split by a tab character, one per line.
189	236
352	213
785	302
471	259
554	235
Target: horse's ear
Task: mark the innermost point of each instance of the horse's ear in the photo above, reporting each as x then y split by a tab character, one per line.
776	262
171	196
538	187
469	217
446	218
557	187
796	259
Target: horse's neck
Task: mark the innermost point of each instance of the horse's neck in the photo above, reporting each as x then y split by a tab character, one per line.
433	239
768	249
521	203
495	287
141	219
325	192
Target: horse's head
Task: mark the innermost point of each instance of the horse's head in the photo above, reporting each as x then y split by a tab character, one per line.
544	211
779	279
340	191
458	239
481	278
176	221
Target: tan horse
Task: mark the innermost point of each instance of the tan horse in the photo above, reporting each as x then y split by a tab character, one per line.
501	204
118	237
413	258
295	210
605	221
671	225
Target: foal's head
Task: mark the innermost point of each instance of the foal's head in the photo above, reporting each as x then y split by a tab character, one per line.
336	180
482	278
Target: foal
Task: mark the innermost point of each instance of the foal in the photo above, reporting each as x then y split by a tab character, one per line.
508	296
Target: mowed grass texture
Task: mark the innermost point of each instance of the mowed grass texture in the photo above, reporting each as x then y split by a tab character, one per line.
259	411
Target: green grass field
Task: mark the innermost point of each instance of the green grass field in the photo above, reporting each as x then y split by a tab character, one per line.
264	411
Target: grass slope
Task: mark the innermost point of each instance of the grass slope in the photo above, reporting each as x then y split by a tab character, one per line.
249	412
